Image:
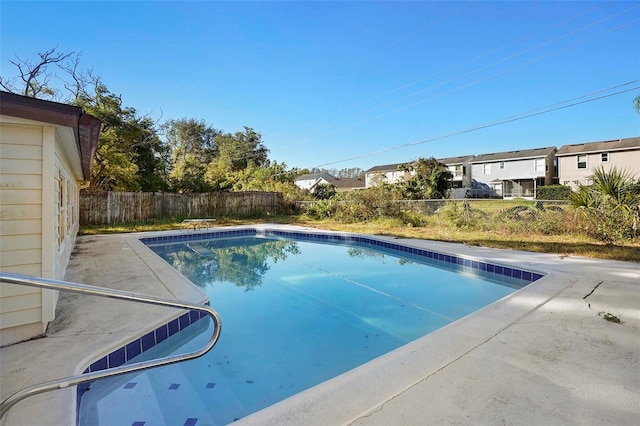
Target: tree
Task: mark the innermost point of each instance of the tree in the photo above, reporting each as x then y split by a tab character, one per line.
350	173
151	157
636	104
236	152
35	77
324	191
346	173
130	154
429	179
239	150
192	146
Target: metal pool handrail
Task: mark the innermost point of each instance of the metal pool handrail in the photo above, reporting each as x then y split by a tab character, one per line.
123	369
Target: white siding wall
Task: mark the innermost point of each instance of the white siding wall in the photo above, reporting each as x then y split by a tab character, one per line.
38	221
309	183
376	178
20	225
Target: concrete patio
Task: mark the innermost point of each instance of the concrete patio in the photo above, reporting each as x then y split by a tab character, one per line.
543	355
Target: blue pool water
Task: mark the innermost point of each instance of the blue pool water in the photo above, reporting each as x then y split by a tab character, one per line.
295	313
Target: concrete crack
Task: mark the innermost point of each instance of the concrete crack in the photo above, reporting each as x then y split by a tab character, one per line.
591	292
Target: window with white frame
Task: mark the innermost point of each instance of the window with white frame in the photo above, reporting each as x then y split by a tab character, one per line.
582	161
502	165
539	165
604	157
486	169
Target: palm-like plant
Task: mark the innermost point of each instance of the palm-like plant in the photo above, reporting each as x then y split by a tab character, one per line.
612	203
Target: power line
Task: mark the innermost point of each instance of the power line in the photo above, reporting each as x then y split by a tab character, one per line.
472	83
520	116
474	71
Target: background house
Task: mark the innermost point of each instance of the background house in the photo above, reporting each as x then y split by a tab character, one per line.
460	168
312	180
515	173
46	153
577	162
388	173
347	184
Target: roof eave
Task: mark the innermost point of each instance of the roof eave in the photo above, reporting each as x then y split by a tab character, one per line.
86	127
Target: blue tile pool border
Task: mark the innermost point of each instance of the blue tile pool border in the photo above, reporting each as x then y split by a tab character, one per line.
176	238
137	346
455	262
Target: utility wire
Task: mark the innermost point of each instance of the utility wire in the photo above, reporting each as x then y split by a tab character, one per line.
451	68
509	57
521	116
384	114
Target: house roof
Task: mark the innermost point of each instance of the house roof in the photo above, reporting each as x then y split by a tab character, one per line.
397	166
387	167
603	146
85	127
514	155
313	176
347	183
449	161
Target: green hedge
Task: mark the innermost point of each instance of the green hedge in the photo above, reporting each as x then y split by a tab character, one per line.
553	192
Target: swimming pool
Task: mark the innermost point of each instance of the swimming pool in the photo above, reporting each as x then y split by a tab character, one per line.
296	314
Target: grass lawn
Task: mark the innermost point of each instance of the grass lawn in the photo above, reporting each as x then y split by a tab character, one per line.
565	245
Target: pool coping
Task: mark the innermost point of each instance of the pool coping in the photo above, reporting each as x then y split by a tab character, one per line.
357	396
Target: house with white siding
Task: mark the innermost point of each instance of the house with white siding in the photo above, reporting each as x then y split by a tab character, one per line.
460	168
387	173
514	174
577	162
46	154
312	180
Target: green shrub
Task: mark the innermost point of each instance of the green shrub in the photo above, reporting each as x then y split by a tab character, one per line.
322	209
551	222
520	213
610	208
368	204
553	192
462	216
412	218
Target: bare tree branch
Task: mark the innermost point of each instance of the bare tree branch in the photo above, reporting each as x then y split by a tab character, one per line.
36	76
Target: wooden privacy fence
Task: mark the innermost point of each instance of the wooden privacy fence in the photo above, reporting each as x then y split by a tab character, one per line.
99	208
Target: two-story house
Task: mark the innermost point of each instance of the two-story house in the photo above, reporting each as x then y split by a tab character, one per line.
515	173
388	173
312	180
577	162
460	168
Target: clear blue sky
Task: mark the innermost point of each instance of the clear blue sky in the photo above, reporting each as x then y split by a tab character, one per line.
327	81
